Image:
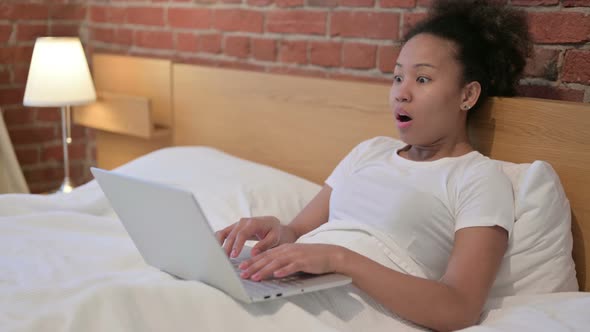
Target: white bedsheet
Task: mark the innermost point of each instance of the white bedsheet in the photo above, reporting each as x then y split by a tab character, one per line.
65	269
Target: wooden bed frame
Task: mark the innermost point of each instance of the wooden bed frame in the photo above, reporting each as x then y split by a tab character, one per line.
305	126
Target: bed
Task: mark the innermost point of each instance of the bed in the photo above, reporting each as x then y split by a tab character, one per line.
249	144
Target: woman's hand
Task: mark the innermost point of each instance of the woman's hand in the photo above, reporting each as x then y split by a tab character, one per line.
289	258
268	230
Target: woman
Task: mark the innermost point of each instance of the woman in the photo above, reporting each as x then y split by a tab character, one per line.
449	206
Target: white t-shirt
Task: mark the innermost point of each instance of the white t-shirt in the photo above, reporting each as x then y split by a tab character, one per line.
420	204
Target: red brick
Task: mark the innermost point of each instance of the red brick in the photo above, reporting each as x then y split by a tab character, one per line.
296	21
342	3
47	173
105	35
71	29
32	135
557	27
387	56
24	11
11	95
30	32
18	116
365	25
4	76
154	39
424	3
48	114
324	3
576	3
20	73
550	92
289	3
196	18
359	55
187	42
238	20
78	132
145	16
105	14
264	49
357	3
5	32
260	3
16	54
123	36
543	64
534	2
410	20
326	54
576	67
397	3
237	46
27	155
67	11
55	152
210	43
293	51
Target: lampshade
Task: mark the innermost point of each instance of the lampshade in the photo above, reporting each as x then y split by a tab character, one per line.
59	74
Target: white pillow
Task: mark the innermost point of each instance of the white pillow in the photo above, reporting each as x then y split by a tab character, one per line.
226	187
539	256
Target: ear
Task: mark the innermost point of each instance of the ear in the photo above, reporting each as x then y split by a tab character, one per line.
470	95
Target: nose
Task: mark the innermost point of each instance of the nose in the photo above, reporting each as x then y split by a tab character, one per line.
400	92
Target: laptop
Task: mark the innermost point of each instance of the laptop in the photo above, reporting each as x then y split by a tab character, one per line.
172	234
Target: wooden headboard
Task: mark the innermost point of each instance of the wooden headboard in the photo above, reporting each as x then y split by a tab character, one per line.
307	125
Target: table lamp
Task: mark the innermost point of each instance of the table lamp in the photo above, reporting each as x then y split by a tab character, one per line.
59	77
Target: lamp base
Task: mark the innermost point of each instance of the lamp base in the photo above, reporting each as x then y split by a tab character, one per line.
65	187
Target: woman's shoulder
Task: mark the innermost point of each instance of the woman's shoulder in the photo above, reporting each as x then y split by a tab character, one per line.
381	143
484	168
375	148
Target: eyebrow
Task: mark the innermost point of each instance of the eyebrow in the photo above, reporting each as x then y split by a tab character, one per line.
397	64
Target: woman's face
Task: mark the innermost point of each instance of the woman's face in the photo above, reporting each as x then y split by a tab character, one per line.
427	92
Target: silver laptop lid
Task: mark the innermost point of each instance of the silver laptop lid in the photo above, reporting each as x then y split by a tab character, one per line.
160	219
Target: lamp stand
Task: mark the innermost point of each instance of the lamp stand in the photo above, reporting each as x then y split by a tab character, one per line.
66	138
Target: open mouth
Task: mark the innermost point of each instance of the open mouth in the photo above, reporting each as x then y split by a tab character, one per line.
403	118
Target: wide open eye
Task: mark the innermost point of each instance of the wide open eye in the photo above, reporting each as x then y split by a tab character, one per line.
423	79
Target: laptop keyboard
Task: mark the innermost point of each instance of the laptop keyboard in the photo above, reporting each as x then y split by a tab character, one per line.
268	287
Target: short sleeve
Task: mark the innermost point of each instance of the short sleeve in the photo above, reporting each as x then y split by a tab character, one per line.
485	198
360	152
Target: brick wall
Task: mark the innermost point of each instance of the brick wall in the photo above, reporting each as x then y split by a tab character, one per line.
36	132
343	39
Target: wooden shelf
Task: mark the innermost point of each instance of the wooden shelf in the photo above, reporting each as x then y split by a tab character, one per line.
120	113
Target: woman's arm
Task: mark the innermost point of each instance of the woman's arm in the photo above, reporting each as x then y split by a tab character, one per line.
269	230
454	302
314	214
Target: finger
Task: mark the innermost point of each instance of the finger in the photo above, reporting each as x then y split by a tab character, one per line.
255	264
268	242
252	260
267	271
231	238
286	270
239	242
222	234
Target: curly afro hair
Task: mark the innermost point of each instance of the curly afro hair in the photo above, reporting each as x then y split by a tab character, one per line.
493	41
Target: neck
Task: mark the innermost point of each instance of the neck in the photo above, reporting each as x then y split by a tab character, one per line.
449	147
